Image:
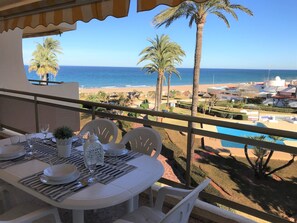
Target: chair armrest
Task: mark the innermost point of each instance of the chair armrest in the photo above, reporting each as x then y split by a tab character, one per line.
165	191
177	192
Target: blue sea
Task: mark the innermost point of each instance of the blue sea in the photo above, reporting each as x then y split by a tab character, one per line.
108	77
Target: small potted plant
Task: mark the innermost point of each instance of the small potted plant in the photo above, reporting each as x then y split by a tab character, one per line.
63	137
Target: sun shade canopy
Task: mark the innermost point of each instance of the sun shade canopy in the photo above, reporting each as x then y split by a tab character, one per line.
32	13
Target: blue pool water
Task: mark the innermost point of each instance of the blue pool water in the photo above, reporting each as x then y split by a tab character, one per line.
242	133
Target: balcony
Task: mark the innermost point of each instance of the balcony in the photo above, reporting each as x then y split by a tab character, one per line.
191	167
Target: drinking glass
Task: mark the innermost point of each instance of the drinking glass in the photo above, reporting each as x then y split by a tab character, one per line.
91	158
14	140
44	128
29	140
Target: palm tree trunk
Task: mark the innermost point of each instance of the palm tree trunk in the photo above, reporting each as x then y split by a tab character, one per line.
161	89
196	76
247	156
158	91
168	87
283	166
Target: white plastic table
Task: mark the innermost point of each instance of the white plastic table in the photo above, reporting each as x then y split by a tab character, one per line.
96	196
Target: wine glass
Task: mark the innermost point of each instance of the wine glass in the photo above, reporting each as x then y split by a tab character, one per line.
29	140
44	128
91	158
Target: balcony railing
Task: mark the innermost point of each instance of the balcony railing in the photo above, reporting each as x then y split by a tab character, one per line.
90	108
41	82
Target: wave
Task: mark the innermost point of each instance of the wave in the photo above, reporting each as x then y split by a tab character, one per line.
141	85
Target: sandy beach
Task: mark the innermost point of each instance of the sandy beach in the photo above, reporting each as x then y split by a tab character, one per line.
202	87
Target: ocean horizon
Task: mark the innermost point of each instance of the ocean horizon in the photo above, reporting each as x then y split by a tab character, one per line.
115	77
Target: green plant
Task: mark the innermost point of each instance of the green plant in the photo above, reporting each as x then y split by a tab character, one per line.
263	156
63	132
145	104
133	114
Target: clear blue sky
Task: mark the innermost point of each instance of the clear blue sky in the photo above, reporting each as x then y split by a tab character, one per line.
268	40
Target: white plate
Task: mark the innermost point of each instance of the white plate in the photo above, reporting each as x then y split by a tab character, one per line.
74	139
44	179
12	157
11	151
60	172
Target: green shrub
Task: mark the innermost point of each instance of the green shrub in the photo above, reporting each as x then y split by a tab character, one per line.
63	132
228	114
145	104
257	101
133	114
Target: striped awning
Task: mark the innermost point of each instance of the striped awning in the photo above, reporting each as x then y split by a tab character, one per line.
45	12
145	5
32	13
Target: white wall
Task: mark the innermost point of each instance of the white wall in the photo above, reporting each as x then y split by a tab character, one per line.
13	76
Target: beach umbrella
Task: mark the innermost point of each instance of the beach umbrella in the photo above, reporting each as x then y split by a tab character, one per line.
32	13
206	95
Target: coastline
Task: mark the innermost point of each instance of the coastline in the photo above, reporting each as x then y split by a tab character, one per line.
202	88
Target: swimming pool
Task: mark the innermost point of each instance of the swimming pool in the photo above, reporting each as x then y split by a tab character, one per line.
242	133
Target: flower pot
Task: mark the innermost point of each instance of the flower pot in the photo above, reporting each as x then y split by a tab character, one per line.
64	147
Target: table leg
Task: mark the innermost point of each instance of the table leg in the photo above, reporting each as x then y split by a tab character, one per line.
78	216
132	204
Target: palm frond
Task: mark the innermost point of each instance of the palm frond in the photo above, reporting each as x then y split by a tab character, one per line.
242	8
222	16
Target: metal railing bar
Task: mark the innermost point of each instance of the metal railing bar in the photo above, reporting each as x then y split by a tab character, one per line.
171	183
93	112
65	107
13	129
36	114
50	82
254	212
189	153
17	98
243	140
142	121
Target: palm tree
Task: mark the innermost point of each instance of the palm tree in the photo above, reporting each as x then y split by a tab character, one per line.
163	56
45	59
169	79
197	14
260	165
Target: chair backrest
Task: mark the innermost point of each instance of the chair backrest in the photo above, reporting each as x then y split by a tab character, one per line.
180	213
105	129
144	140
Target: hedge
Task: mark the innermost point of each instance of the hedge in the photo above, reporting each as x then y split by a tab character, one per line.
228	114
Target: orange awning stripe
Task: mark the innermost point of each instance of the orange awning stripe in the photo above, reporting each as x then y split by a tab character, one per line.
55	12
145	5
95	10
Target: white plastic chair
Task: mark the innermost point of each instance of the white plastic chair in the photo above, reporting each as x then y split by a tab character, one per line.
105	129
28	212
22	208
180	213
144	140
